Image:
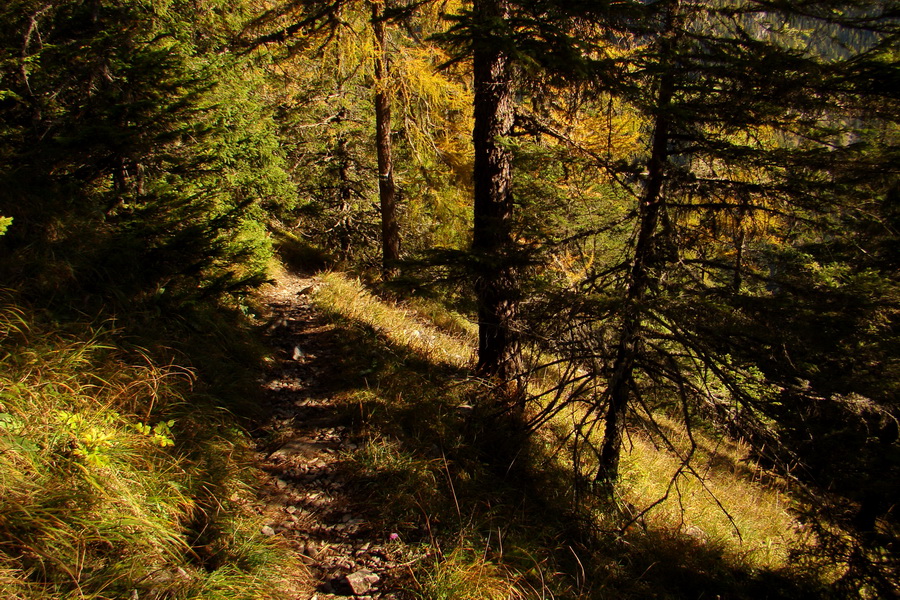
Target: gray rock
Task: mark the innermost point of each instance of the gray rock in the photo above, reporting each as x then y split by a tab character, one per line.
697	534
268	531
361	581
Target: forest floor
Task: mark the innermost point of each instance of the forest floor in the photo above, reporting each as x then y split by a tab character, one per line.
370	478
308	496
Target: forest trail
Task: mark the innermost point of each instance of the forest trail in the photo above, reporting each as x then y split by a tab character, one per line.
309	498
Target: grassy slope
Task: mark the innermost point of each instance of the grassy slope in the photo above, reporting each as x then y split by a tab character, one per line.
500	520
120	476
121	473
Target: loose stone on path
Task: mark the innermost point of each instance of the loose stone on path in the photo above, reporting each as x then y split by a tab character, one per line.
309	501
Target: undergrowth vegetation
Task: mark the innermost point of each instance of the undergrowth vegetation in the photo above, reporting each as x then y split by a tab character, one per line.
119	478
124	474
503	518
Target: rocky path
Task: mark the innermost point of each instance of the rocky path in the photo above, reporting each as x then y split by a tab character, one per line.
309	498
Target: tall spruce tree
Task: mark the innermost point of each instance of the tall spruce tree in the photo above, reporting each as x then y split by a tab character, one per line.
387	188
496	285
511	45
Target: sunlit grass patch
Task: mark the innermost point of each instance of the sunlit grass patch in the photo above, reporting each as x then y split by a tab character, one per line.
435	313
750	523
349	299
715	497
466	574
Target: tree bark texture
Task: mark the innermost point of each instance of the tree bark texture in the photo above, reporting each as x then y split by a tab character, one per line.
496	284
387	190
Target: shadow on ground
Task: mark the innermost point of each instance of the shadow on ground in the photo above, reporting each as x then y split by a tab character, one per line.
451	482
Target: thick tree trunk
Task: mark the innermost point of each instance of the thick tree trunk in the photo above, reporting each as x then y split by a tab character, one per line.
496	284
642	277
387	190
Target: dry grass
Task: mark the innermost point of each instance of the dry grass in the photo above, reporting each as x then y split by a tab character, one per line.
465	574
350	300
723	504
716	503
104	465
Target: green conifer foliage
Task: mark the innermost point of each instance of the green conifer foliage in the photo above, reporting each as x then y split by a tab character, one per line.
136	154
326	84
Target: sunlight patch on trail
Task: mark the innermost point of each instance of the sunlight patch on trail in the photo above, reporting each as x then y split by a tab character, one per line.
349	299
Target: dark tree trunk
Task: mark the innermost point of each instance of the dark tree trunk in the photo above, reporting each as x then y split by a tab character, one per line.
496	284
387	191
642	277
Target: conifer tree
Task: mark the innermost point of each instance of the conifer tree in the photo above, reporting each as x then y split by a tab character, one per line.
136	154
387	189
759	137
496	285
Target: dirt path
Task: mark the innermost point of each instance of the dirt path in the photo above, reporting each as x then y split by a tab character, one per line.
309	498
